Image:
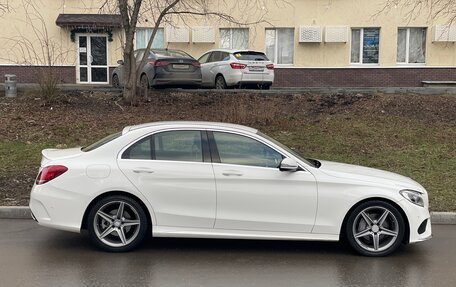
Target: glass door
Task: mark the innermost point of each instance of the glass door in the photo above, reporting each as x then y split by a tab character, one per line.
92	59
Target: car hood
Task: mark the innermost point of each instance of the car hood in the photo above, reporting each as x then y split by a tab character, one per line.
350	171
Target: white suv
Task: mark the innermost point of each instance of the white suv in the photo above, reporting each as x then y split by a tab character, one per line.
223	68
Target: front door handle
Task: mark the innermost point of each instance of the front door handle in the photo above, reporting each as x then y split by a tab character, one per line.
232	173
142	170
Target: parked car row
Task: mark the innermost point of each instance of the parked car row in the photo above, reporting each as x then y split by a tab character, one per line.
218	68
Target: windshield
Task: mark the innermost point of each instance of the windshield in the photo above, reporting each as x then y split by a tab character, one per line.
250	56
101	142
310	162
171	53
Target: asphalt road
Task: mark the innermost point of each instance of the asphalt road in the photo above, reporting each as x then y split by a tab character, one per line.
31	255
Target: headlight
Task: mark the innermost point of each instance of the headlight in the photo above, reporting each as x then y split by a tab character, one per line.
413	196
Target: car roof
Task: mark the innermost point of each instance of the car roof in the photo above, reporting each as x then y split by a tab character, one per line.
233	50
190	124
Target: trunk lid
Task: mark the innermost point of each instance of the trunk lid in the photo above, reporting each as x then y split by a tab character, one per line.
52	154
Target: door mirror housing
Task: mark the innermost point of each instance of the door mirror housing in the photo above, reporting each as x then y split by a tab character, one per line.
120	62
288	164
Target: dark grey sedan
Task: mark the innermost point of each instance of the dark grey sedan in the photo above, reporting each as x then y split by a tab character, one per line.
164	68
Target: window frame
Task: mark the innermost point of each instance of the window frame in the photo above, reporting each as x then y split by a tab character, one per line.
361	47
206	156
146	40
276	42
215	154
407	46
230	29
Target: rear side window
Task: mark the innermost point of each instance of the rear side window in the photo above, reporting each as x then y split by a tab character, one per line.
101	142
172	146
178	146
250	56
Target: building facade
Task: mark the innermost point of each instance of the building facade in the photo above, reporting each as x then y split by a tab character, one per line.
313	43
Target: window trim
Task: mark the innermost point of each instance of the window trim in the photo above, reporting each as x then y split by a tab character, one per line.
407	47
206	155
361	48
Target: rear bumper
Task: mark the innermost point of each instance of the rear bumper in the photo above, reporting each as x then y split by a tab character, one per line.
240	78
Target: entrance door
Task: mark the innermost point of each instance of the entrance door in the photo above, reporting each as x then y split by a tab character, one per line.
92	59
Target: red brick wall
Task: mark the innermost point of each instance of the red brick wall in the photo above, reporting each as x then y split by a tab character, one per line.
360	77
295	77
30	74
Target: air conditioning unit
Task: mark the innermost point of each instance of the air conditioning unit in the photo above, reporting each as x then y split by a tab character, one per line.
444	33
203	34
310	34
336	34
178	34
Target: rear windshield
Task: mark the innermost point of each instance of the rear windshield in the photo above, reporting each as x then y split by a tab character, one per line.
171	53
101	142
251	56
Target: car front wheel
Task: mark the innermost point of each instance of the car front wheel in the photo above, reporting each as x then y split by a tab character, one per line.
117	224
375	228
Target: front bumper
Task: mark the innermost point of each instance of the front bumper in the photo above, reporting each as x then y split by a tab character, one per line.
416	215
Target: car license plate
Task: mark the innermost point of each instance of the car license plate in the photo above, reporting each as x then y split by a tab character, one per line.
180	67
256	69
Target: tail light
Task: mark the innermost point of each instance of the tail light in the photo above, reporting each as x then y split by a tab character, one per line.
159	63
270	66
196	64
238	66
50	172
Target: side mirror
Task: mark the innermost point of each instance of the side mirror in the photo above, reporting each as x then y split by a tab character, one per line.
120	62
288	164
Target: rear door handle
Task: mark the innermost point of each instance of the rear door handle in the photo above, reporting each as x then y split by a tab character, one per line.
232	173
142	170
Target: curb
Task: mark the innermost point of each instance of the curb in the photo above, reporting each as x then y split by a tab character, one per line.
23	212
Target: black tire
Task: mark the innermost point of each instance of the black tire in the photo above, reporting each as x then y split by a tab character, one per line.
220	83
374	235
115	81
133	233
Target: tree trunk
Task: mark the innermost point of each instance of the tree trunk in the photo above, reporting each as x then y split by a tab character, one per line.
129	74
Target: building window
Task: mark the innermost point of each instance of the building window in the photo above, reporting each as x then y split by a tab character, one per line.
143	35
411	45
234	38
280	45
365	46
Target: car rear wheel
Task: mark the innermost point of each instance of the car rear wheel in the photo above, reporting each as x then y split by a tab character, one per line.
117	224
375	228
220	83
115	81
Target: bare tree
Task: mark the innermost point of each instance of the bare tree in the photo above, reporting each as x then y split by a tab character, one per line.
158	12
37	48
4	6
432	9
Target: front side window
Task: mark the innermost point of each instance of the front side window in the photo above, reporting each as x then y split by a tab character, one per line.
365	45
411	45
280	45
178	146
234	38
204	58
241	150
143	35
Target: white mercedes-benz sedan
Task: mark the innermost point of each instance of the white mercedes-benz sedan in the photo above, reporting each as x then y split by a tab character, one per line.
216	180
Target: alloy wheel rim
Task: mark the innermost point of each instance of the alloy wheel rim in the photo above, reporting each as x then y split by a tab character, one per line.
375	229
116	223
220	83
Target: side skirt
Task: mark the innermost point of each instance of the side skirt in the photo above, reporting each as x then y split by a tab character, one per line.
186	232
